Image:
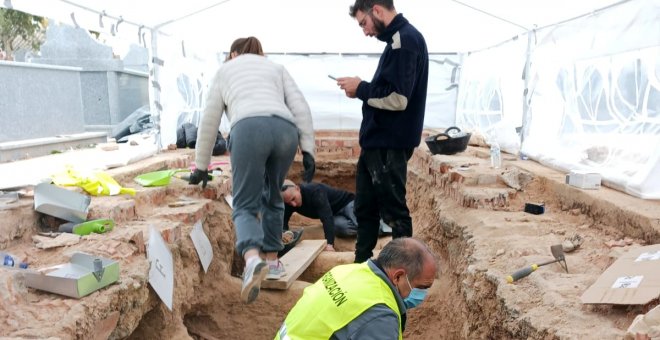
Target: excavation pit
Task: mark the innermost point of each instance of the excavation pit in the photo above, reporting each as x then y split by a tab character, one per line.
469	214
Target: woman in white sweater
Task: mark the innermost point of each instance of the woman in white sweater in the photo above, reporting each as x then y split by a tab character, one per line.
269	119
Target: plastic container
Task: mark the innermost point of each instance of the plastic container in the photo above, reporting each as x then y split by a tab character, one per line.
495	155
10	260
450	142
156	178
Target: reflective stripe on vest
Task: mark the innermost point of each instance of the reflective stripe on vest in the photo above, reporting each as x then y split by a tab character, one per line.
340	296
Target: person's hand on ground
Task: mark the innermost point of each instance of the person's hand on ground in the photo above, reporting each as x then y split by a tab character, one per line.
199	176
329	247
310	167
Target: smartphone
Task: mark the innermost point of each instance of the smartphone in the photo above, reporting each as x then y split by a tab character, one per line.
331	77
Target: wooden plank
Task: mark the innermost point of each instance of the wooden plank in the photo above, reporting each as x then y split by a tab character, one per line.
295	262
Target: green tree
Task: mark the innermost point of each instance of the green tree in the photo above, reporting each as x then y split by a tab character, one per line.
19	27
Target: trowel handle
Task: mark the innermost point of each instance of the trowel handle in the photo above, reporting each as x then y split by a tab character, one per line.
99	226
520	273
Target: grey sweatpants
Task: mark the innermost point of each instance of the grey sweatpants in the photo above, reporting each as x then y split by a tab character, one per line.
261	152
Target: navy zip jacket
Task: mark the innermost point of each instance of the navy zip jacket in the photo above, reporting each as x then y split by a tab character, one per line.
395	99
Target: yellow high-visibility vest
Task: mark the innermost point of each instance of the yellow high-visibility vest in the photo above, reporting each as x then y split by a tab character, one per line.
340	296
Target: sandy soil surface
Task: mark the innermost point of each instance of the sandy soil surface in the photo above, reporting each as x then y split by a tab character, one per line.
471	216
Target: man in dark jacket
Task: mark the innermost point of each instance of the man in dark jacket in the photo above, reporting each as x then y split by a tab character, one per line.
392	121
334	207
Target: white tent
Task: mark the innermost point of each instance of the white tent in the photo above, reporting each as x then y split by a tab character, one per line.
311	25
581	78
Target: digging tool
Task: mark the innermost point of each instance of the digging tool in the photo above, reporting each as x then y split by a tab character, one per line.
557	251
99	226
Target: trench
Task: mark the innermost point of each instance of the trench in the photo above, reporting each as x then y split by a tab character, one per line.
469	214
473	221
443	315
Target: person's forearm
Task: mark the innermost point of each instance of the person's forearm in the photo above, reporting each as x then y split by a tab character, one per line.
329	229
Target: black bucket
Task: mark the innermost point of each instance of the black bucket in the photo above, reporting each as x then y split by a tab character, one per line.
445	144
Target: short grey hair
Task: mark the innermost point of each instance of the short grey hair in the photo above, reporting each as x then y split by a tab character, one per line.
407	253
287	184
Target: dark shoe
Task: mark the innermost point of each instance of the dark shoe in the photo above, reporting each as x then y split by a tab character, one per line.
297	234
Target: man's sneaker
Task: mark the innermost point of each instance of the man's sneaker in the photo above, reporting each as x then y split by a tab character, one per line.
254	273
275	272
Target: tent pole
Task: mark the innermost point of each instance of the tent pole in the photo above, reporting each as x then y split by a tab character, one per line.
527	95
154	89
491	15
190	14
75	4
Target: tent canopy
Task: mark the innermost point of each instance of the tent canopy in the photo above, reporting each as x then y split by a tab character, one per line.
304	26
563	71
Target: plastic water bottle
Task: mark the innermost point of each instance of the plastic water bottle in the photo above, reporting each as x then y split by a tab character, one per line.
495	155
11	261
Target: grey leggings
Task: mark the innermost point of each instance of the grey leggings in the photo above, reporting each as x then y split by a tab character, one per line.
261	152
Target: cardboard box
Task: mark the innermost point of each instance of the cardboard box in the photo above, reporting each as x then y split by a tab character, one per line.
583	179
633	279
79	277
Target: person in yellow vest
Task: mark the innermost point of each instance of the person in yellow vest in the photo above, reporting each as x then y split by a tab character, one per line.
368	300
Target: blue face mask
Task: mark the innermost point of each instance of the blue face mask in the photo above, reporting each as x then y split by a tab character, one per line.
415	297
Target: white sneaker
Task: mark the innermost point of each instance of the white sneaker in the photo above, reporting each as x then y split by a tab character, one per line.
276	272
254	273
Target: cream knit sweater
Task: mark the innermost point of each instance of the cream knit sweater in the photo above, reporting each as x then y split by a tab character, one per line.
247	86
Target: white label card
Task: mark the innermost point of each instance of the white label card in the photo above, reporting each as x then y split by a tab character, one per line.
202	245
648	256
628	282
230	200
161	267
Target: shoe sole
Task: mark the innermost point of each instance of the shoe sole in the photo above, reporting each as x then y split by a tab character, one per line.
275	276
250	292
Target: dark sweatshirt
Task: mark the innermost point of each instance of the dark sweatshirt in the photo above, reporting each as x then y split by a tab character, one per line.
322	202
395	99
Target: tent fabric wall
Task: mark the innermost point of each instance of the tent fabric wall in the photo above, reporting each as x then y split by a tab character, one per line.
307	26
592	86
181	86
184	81
491	93
331	109
594	96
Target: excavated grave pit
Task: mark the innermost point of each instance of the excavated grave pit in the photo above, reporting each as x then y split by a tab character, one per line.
470	216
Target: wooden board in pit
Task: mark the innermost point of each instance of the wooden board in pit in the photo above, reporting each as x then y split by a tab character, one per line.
295	262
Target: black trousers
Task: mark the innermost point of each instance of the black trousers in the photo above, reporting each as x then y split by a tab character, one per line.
381	193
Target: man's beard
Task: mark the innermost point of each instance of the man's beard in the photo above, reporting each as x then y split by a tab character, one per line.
379	25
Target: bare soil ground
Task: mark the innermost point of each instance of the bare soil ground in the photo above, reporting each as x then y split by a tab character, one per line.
471	216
